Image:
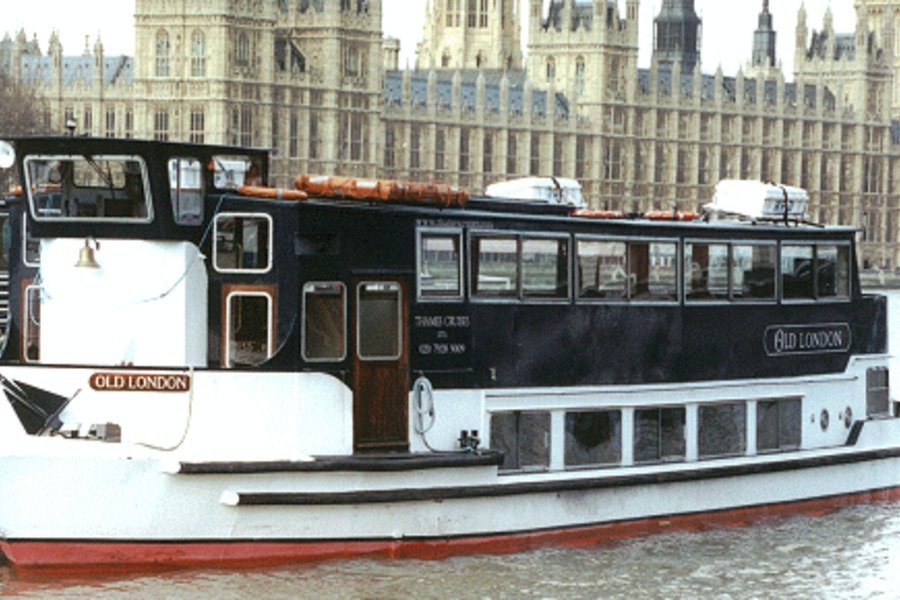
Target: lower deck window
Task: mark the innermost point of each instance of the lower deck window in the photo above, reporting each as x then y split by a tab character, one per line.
659	434
722	430
249	317
524	439
652	268
593	438
778	425
877	391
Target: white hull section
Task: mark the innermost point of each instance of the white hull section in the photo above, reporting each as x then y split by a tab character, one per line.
229	461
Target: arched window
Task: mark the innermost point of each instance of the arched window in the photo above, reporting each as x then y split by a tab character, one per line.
445	59
551	70
242	51
198	54
579	76
162	54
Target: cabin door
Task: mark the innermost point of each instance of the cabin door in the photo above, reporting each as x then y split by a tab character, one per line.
380	366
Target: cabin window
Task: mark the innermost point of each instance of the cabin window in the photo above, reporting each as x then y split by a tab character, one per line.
186	190
324	322
231	172
797	272
877	392
601	269
32	324
31	247
88	187
524	439
440	266
753	271
545	271
706	271
495	272
379	321
652	271
249	315
593	438
659	434
243	243
778	425
833	271
722	430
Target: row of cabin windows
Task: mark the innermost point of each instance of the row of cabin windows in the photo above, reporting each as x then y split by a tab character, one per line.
594	438
659	434
532	267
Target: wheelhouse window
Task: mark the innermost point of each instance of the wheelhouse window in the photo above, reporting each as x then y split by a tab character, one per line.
520	267
524	439
593	438
70	187
601	269
186	190
778	425
659	434
705	271
797	272
249	317
722	430
440	266
379	321
753	271
231	172
243	243
324	322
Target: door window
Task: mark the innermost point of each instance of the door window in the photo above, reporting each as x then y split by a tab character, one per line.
378	320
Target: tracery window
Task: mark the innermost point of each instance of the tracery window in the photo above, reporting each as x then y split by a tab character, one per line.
162	54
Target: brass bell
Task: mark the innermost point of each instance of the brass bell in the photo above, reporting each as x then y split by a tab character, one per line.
86	256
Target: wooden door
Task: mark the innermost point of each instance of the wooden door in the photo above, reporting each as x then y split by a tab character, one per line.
380	366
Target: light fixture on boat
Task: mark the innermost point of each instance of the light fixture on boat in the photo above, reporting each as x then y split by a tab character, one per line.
86	255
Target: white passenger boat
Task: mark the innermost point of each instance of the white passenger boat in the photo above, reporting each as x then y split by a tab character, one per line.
204	374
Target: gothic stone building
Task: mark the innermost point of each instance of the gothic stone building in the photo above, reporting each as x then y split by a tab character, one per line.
316	81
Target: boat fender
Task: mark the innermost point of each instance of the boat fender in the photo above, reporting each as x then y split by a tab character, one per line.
423	401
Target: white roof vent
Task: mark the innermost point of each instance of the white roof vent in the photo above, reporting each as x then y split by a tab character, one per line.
553	190
759	200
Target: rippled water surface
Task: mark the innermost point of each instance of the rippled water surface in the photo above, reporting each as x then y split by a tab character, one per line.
850	553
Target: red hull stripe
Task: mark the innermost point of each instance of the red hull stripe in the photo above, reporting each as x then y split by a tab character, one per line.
106	554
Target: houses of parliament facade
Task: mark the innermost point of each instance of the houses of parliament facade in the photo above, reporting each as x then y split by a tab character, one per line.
317	81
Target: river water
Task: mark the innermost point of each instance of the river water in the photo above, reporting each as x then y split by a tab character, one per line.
851	553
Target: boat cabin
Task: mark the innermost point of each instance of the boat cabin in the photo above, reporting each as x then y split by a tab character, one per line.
153	254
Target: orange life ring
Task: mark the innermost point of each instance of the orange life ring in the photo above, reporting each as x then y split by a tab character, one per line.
271	193
587	213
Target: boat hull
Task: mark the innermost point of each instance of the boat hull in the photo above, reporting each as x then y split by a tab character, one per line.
177	520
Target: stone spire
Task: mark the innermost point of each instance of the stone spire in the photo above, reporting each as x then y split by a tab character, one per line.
764	39
677	35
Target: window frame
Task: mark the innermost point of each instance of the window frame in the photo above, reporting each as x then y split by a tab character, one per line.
28	288
345	328
175	193
250	292
145	179
729	261
461	264
777	275
400	340
519	236
269	252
